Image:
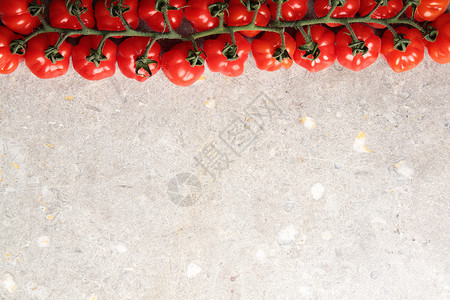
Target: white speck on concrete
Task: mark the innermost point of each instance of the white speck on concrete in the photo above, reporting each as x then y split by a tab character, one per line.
210	103
9	283
359	144
121	248
404	170
193	270
339	115
317	191
286	236
326	235
289	206
43	241
309	123
333	206
260	255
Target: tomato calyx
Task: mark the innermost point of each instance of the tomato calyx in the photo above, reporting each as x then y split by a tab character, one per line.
143	63
431	33
17	47
35	9
358	47
251	5
217	8
52	53
280	54
194	58
230	52
163	5
75	7
312	51
400	43
338	3
96	57
117	8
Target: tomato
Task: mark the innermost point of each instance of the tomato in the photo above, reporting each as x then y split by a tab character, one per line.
428	10
106	22
38	59
268	53
15	15
366	52
91	65
61	18
203	14
153	16
348	10
291	10
392	8
401	61
218	49
320	53
8	62
439	50
238	15
182	65
130	58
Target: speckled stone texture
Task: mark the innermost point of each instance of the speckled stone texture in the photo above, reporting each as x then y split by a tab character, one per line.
285	185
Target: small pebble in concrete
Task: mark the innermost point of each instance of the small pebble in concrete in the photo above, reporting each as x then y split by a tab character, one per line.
317	191
286	235
403	169
260	255
308	123
9	283
43	241
326	236
121	248
374	275
193	270
359	144
210	103
289	206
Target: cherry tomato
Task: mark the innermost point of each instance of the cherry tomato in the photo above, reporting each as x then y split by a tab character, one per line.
392	8
60	17
131	50
429	10
38	61
439	50
217	49
199	13
268	53
88	69
412	56
291	10
154	18
348	10
178	69
323	40
238	15
106	22
8	62
371	45
15	16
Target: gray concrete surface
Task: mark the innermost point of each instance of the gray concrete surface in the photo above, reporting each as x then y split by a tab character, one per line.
121	190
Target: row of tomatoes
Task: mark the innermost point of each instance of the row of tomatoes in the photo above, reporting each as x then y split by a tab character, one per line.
15	14
183	64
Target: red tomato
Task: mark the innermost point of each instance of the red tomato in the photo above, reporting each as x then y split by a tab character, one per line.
268	53
200	13
392	8
181	65
428	10
8	62
61	18
439	50
216	49
131	50
323	41
38	61
155	18
401	61
349	10
291	10
15	16
371	45
94	70
106	22
238	15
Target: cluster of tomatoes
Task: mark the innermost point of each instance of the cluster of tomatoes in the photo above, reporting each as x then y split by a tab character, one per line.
315	47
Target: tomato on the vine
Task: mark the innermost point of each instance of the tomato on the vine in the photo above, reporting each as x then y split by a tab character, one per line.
203	14
60	17
8	62
359	55
401	61
392	8
317	54
240	13
429	10
106	22
270	55
131	61
347	10
93	65
183	65
151	12
291	10
15	15
44	60
439	50
224	57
